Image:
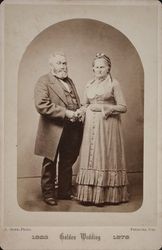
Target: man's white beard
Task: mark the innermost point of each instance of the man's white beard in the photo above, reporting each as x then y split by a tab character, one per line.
60	74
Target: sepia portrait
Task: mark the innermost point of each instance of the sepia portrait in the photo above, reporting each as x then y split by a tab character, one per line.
80	51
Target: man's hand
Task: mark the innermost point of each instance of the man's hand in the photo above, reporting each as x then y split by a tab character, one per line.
80	114
70	115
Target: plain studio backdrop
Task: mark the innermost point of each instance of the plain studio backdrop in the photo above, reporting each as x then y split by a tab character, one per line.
80	39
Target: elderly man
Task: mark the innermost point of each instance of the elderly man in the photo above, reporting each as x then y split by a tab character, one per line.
60	131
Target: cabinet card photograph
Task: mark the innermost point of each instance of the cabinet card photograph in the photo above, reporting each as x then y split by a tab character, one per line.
81	121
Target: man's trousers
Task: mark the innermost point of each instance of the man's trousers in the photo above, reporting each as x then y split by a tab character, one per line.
67	153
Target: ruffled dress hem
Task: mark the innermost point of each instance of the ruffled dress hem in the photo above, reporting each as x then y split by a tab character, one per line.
98	186
98	195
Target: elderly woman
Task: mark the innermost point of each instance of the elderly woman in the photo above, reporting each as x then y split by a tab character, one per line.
102	176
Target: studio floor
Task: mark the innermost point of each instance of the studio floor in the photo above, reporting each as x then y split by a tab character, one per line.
30	198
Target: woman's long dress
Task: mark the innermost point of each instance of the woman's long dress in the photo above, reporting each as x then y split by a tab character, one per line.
102	176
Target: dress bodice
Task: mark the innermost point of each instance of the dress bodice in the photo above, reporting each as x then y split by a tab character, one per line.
107	91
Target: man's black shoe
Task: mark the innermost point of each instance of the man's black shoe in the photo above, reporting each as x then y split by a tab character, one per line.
50	201
66	197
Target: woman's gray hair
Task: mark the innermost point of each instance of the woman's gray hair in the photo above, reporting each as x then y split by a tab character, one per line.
105	57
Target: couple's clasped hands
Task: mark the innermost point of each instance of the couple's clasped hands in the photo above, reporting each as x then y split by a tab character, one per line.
77	115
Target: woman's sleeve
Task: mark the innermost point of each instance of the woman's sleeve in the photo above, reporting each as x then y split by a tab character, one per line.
119	106
118	94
